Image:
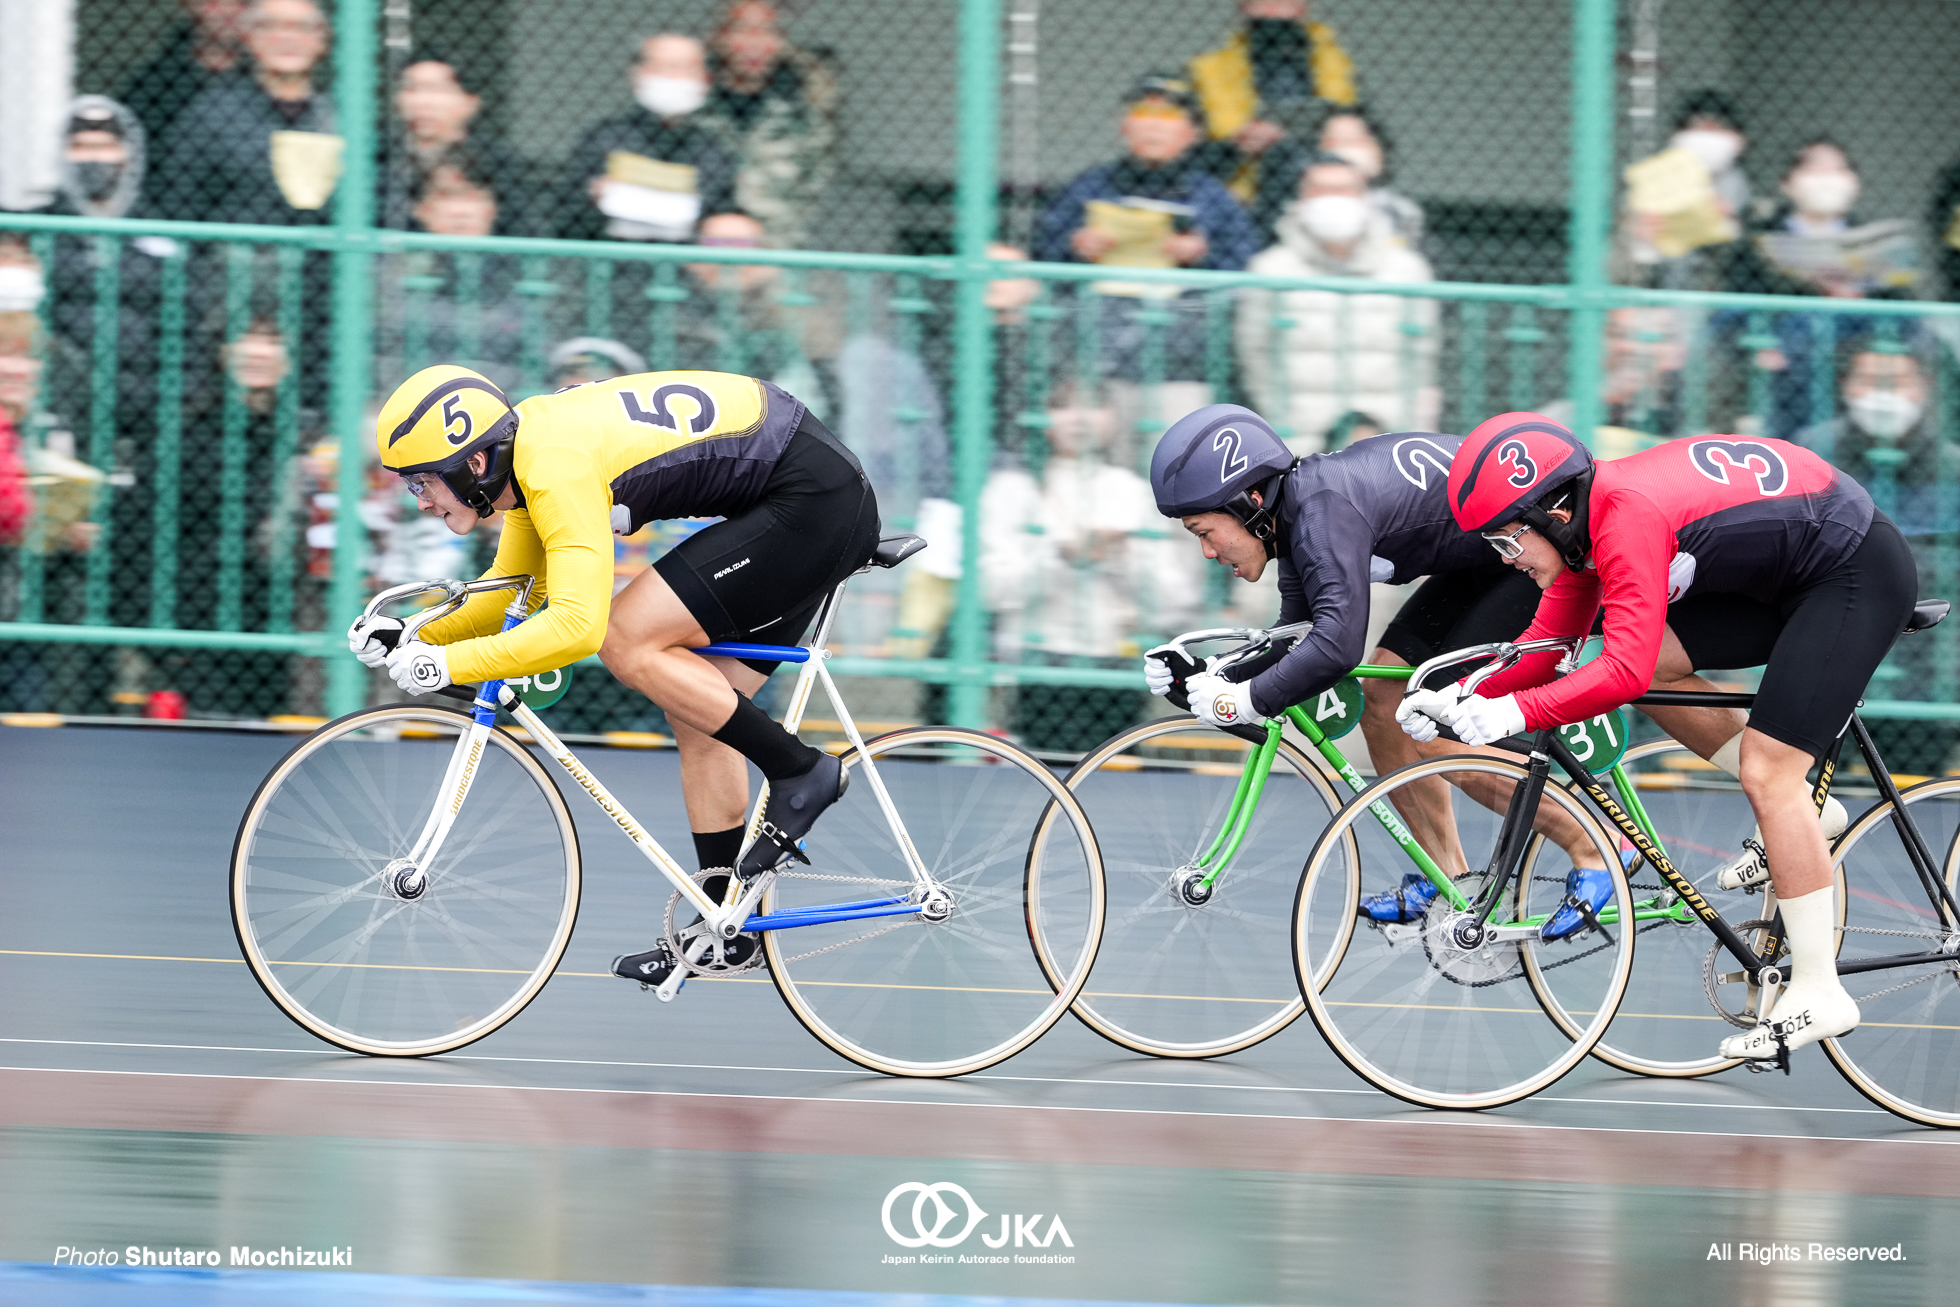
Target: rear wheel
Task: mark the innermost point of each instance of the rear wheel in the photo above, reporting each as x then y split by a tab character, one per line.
957	986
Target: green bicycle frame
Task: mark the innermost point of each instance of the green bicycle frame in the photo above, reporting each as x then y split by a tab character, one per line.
1259	765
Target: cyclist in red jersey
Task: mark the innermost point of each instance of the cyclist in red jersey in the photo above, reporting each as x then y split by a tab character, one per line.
1709	552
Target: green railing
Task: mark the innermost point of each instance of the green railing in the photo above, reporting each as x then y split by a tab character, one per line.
222	572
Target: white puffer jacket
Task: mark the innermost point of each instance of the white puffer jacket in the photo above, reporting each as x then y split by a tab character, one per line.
1374	353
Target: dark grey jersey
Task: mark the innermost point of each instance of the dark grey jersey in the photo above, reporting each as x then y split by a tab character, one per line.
1376	511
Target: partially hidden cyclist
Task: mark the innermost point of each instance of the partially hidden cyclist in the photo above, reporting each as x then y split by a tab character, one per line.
1372	512
572	469
1704	552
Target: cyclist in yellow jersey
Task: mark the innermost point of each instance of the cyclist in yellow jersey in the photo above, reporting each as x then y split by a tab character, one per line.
571	470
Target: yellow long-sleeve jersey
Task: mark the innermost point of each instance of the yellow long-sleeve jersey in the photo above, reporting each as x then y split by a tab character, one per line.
605	458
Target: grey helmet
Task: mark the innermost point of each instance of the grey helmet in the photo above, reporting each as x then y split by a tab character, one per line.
1211	460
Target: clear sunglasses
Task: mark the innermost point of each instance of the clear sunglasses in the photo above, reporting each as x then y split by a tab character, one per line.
1506	544
421	484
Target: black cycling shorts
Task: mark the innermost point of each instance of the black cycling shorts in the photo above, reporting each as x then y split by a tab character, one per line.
1454	610
1818	647
761	574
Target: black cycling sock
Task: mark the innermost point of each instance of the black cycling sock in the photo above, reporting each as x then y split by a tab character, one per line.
718	849
750	732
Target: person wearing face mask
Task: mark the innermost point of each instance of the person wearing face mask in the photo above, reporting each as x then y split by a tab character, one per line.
1266	86
1338	351
1881	435
1707	128
653	172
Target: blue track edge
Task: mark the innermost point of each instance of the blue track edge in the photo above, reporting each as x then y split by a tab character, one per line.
44	1285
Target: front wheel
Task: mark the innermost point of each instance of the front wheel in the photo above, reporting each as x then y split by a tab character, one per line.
956	985
1194	961
1435	1011
1905	1053
373	954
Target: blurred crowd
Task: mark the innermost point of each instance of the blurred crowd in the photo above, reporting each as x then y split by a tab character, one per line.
191	481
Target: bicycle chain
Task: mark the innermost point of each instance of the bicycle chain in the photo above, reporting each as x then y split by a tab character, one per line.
845	943
843	880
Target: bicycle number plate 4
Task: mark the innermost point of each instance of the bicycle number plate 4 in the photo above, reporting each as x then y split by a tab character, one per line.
542	689
1597	742
1338	710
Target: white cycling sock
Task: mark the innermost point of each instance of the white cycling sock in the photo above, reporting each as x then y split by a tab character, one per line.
1814	1004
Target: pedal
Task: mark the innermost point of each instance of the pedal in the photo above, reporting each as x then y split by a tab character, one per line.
1781	1061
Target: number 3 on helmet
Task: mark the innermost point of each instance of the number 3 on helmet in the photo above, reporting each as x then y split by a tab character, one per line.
438	418
1514	468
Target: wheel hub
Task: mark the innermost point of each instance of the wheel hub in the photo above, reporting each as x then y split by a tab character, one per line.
1463	951
405	880
936	906
1192	887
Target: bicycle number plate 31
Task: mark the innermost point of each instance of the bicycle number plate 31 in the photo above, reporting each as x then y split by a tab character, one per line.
1338	710
542	689
1597	742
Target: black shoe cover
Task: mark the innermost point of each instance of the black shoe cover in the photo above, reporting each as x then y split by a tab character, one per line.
794	806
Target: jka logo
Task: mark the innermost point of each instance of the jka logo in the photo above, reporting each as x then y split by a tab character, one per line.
1715	459
933	1225
1225	707
696	416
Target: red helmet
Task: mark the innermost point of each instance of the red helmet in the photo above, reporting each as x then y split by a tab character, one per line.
1509	466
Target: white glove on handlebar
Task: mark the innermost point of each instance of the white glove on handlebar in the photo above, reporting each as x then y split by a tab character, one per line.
419	667
1218	702
1420	713
1157	676
361	641
1478	720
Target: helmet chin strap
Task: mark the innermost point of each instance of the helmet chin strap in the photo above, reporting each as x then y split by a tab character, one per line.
1573	539
1261	519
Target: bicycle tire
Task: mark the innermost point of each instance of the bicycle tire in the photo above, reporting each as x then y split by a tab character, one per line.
1905	1053
908	996
356	964
1176	978
1415	1015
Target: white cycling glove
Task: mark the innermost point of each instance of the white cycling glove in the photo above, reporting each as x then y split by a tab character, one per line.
1421	713
1218	702
361	638
1478	720
1166	667
419	667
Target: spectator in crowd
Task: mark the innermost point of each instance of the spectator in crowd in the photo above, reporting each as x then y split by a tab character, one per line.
1356	135
1340	352
435	305
1155	207
1074	569
1640	383
258	149
17	367
436	108
1820	191
778	104
732	319
102	174
654	172
1708	126
203	48
1883	434
1943	220
1269	83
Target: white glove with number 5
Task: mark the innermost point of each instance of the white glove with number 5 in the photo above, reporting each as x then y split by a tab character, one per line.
1420	713
418	667
360	638
1478	720
1218	702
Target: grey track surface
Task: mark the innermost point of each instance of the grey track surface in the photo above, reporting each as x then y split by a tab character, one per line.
116	843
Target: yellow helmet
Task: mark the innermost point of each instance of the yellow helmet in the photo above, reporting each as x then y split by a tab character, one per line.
438	418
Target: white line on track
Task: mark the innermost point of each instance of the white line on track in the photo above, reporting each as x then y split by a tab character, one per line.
1101	1082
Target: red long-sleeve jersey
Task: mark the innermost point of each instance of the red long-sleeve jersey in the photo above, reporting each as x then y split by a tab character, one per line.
1717	514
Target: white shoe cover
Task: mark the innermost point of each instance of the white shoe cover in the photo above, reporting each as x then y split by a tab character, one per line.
1804	1014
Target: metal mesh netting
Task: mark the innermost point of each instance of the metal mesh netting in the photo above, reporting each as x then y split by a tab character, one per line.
188	381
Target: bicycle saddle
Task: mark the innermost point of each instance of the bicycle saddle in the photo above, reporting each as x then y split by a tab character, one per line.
893	550
1927	613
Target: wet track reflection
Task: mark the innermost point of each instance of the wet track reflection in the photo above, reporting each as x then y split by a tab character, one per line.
150	1096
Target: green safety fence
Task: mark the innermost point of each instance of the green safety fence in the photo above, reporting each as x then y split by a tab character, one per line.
201	535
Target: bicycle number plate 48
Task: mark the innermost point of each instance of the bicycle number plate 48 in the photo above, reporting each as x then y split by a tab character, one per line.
1338	710
542	689
1597	742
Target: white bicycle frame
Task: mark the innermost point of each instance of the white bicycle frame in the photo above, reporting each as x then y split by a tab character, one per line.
725	918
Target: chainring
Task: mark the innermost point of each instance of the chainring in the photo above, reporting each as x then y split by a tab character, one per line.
725	957
1712	981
